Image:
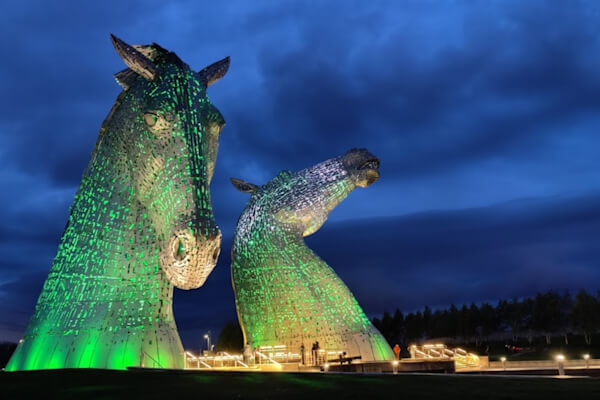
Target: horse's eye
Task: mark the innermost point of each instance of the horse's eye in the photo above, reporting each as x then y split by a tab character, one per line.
150	119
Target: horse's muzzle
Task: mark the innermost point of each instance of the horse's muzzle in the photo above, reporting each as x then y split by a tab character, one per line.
189	258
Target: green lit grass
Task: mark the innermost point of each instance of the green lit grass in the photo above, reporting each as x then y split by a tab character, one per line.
104	384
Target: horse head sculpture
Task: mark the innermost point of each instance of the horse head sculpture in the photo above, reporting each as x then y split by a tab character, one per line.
285	294
141	223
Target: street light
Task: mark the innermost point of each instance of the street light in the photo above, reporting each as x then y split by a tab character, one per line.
503	359
207	337
586	357
560	359
395	367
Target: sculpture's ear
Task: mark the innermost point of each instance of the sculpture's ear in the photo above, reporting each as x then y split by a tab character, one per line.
127	77
214	71
135	58
243	186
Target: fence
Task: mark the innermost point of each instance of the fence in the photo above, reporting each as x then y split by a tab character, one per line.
544	364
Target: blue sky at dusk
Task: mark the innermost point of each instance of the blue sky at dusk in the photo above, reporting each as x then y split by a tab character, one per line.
485	116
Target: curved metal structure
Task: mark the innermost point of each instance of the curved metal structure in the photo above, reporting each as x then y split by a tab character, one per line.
284	293
141	223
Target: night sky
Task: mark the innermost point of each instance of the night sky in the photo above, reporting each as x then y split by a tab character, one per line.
485	116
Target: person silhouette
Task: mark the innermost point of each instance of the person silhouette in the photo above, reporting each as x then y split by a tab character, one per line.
397	350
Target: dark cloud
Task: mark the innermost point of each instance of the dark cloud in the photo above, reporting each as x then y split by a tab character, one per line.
18	295
59	84
510	250
426	98
505	80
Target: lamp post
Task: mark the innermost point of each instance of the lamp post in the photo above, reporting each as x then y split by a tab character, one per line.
207	337
503	359
586	357
560	360
395	367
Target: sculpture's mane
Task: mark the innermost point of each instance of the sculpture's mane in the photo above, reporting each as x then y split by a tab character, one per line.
255	212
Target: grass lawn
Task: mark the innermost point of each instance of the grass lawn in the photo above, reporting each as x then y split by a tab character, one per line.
103	384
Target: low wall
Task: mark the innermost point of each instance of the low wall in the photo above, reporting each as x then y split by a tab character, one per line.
440	366
543	364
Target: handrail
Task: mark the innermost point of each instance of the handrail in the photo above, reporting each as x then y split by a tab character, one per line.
461	357
268	358
149	356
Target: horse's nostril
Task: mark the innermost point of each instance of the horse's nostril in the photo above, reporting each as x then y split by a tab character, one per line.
216	254
179	251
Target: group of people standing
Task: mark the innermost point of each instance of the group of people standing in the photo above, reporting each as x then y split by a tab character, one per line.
314	357
251	356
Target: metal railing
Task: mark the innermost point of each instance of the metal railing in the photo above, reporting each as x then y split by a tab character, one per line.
219	360
544	364
262	356
143	363
439	351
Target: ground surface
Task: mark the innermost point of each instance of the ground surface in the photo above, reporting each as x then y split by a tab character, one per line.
101	384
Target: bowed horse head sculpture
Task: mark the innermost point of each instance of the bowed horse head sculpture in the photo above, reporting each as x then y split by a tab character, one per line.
172	154
141	223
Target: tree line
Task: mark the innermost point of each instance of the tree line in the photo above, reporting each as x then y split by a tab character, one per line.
547	314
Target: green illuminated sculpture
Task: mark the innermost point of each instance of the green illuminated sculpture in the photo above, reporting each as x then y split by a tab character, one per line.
141	222
284	293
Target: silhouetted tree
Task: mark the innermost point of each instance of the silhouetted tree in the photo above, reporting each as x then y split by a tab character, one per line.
413	325
438	324
563	318
510	315
387	323
398	328
526	311
464	323
475	320
231	338
6	351
545	314
452	321
585	314
489	322
427	321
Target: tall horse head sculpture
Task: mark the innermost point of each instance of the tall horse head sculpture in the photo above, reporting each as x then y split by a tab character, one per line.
141	223
285	294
